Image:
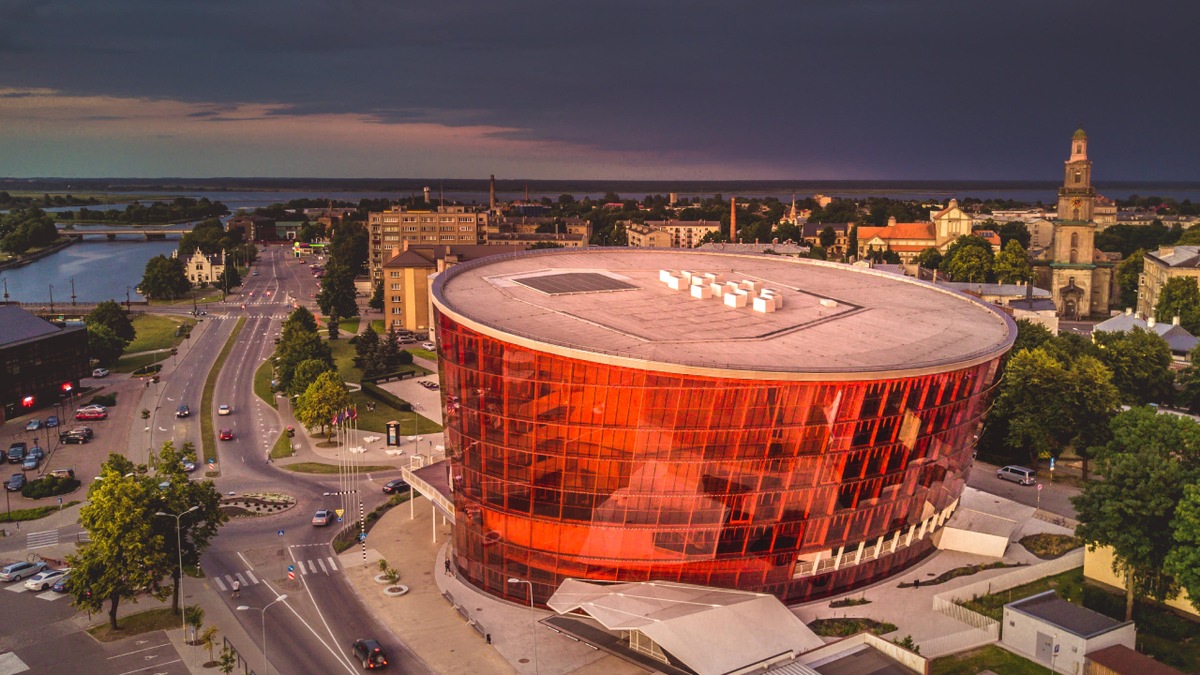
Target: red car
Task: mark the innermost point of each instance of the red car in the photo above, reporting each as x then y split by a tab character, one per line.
91	415
227	434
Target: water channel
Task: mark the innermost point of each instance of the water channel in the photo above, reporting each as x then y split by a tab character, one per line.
101	270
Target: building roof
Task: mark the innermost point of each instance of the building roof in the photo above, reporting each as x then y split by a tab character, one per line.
1179	339
898	231
1080	135
1002	290
1125	661
835	322
18	325
411	258
707	224
709	630
815	229
1177	256
1080	621
989	236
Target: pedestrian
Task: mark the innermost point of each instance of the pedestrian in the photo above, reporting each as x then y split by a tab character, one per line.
447	566
916	583
237	587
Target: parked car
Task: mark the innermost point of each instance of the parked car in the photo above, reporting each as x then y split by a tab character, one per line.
95	406
189	466
393	486
63	473
15	483
60	584
322	518
31	463
227	434
224	409
254	273
100	372
43	580
369	653
92	414
34	425
36	451
1017	474
72	437
17	452
20	570
429	345
86	431
51	421
182	411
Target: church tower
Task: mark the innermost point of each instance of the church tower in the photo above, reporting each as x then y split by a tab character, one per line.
1077	197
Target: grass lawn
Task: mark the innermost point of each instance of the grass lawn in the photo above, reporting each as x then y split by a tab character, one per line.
379	326
423	353
128	364
207	437
155	331
282	448
136	624
991	658
34	513
377	421
348	327
319	467
262	383
200	295
343	360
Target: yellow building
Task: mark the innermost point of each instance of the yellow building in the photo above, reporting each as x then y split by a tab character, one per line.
203	269
1098	567
638	235
447	226
1166	263
406	279
682	233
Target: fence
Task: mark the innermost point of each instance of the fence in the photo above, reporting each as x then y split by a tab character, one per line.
242	664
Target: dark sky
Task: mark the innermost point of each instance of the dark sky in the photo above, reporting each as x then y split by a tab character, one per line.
799	89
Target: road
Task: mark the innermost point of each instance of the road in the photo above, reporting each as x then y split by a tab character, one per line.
1053	497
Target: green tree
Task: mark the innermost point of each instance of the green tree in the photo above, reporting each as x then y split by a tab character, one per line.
1180	297
1011	265
104	344
209	236
302	318
1146	466
229	277
164	279
1014	231
1128	272
376	302
337	291
176	493
828	237
1140	362
969	258
1183	560
111	314
296	347
323	399
307	372
1030	335
227	662
1189	382
930	258
126	554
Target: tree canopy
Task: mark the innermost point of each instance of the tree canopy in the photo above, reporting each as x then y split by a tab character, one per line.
1140	362
336	296
1129	271
25	228
109	313
104	344
164	279
1180	297
1011	265
323	399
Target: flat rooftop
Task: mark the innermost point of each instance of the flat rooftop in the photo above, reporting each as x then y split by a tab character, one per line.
613	306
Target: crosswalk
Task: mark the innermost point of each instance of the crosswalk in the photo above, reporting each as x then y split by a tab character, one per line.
246	578
41	539
48	595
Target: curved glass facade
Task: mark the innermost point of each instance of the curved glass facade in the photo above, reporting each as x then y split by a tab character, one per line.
564	467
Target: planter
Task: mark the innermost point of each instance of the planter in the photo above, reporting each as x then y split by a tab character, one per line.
395	591
381	579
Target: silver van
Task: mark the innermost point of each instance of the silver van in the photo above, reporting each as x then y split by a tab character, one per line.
1017	474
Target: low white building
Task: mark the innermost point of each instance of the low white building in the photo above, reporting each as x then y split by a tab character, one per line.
1059	634
201	268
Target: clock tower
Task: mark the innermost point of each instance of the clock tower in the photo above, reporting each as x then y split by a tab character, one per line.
1077	197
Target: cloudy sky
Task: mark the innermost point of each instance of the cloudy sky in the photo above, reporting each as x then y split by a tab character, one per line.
645	89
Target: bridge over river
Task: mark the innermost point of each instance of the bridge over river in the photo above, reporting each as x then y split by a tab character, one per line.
110	233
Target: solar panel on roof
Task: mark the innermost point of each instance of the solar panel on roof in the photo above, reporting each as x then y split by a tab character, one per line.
568	283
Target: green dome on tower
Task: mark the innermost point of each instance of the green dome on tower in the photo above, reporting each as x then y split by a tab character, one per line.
1080	135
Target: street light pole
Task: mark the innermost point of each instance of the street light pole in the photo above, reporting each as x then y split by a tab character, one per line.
179	546
263	613
532	616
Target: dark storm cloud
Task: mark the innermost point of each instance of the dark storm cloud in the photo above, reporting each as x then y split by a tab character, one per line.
821	89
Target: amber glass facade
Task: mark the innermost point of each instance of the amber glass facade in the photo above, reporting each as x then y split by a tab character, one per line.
564	467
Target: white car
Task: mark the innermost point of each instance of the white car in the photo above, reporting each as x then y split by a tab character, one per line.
42	581
429	345
19	570
100	372
224	410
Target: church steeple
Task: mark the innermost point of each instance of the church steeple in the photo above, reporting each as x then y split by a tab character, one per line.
1078	145
1077	197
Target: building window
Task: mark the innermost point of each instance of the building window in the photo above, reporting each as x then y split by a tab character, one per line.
394	274
395	287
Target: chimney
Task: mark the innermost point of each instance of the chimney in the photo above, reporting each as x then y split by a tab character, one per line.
1175	320
1150	322
492	194
733	219
1128	311
892	221
426	194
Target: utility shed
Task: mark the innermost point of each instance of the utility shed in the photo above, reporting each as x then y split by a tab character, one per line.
1121	660
1059	634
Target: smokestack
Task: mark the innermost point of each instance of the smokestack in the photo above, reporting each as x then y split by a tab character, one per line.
733	219
492	194
426	194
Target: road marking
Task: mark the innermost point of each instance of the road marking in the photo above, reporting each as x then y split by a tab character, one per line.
139	651
251	575
10	664
331	565
240	578
303	571
143	668
16	588
51	595
311	567
219	584
41	539
322	564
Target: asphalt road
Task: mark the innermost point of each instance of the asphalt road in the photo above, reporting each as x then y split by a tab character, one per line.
1052	497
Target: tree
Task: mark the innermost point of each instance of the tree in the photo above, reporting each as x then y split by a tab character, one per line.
1189	381
229	277
295	348
164	279
1183	561
126	554
303	318
365	344
194	617
174	494
1030	335
227	662
828	237
111	314
930	258
323	399
1129	271
333	326
1014	231
1140	362
1180	297
376	302
969	258
337	291
1146	466
208	639
307	372
209	236
1011	265
104	344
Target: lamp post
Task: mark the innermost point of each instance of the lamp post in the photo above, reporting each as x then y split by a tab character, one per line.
532	627
263	613
179	546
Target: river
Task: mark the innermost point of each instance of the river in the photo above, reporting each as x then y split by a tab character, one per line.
101	270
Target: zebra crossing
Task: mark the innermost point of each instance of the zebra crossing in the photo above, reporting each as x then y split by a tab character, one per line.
48	595
246	578
41	539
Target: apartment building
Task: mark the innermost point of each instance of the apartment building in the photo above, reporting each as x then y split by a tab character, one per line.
445	226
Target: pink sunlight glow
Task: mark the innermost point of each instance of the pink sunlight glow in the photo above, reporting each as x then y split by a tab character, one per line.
51	133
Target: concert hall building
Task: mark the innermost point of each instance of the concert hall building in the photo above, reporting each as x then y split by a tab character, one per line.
755	422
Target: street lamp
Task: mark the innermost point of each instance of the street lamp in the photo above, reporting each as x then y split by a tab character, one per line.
263	613
532	616
179	545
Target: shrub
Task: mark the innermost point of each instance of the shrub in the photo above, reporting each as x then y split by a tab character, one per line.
386	397
104	399
50	486
148	370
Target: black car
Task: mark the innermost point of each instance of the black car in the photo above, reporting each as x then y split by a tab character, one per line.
183	411
17	452
394	486
369	653
73	436
15	483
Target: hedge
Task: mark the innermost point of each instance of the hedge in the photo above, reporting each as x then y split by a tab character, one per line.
50	486
378	393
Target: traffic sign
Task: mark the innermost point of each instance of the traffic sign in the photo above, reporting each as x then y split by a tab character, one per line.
291	576
1039	487
339	519
339	512
280	533
362	537
291	568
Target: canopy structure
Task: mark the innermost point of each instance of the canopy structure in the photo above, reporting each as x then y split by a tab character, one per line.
710	630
